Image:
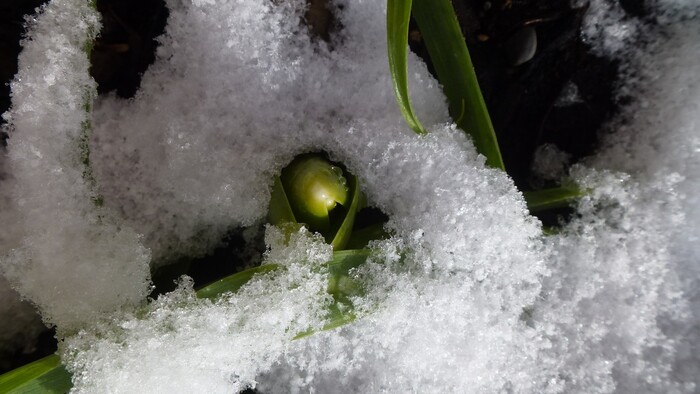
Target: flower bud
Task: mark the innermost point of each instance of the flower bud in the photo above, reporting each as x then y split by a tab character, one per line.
314	187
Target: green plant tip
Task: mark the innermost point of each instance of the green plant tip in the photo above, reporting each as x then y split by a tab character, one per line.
314	187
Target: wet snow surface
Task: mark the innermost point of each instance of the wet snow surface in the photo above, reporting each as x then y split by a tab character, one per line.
467	296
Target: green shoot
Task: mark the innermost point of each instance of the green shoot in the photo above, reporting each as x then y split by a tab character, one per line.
448	52
542	200
398	14
46	375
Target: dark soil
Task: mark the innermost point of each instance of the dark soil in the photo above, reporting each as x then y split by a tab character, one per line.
520	97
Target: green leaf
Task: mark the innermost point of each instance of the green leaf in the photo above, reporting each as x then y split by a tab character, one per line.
398	14
49	376
280	211
342	236
46	375
558	197
341	286
448	51
360	238
234	282
337	317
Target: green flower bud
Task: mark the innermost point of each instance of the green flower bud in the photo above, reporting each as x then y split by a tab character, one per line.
314	187
326	198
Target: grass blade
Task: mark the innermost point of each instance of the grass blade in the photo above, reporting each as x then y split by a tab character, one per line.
398	14
233	282
46	375
448	51
361	238
337	317
280	211
342	236
341	286
542	200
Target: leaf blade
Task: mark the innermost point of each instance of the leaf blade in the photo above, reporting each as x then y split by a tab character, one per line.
342	236
280	210
46	375
542	200
448	51
233	283
398	14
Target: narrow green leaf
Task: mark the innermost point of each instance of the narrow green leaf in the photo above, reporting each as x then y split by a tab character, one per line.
342	262
549	230
342	236
558	197
340	285
49	376
360	238
398	14
234	282
46	375
337	317
448	51
345	260
280	211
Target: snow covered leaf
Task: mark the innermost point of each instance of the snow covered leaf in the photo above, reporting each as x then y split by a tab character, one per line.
398	13
449	54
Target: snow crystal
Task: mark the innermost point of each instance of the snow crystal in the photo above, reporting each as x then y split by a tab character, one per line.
611	284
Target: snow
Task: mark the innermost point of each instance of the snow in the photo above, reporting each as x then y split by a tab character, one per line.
550	163
230	340
466	296
70	253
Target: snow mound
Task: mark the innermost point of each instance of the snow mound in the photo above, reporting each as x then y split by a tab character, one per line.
71	254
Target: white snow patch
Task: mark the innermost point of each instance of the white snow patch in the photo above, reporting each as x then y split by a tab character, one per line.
182	344
72	259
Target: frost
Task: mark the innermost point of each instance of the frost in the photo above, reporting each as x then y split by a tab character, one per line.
466	296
